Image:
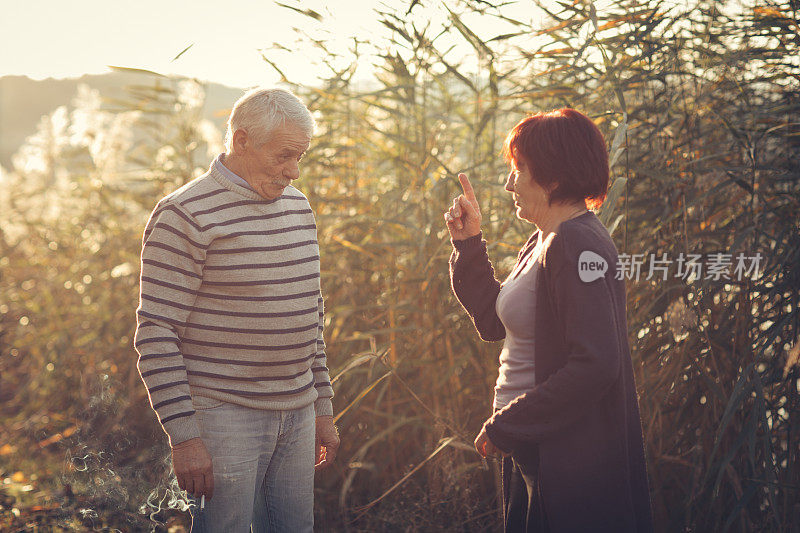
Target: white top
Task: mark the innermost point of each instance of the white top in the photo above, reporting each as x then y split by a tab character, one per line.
515	307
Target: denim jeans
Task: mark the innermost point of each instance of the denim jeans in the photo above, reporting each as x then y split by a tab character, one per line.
263	465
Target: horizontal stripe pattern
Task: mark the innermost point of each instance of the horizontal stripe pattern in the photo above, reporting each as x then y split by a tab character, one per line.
177	415
250	218
230	303
242	362
260	266
254	249
220	296
264	394
264	233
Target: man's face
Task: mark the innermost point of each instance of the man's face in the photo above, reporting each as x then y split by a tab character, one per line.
270	167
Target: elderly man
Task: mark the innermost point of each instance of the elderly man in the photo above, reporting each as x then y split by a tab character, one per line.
230	327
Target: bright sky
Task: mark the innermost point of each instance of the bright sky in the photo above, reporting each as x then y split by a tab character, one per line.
55	38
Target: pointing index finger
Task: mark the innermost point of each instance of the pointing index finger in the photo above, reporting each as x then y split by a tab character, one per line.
469	192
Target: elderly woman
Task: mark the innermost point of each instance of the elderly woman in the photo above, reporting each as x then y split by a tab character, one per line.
566	415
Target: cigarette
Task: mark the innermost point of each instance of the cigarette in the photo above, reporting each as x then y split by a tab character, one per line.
202	502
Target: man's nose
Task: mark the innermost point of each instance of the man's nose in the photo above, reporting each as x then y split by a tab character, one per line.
293	171
510	182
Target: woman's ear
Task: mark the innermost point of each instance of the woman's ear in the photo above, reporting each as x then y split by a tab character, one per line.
548	191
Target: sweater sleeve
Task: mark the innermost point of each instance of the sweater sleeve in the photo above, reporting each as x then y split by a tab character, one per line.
173	255
322	381
473	282
593	362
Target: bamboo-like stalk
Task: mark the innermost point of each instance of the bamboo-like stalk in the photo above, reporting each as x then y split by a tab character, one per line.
706	118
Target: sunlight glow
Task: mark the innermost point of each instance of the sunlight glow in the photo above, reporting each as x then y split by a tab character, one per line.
225	45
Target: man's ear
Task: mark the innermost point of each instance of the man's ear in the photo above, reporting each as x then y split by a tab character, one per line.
241	142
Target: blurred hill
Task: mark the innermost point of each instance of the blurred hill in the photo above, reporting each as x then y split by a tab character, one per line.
24	101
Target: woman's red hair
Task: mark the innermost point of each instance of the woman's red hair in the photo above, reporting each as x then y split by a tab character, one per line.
566	154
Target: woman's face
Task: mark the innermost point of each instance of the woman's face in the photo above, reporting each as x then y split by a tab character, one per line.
530	198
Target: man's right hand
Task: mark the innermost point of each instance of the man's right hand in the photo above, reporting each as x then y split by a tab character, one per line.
464	216
192	464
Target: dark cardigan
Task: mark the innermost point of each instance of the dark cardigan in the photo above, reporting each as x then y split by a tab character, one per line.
582	411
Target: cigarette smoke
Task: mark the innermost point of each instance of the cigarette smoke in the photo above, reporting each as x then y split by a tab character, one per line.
119	474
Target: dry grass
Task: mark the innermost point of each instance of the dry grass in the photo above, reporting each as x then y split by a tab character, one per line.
699	104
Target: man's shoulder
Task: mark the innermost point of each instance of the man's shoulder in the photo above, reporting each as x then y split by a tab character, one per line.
290	193
197	189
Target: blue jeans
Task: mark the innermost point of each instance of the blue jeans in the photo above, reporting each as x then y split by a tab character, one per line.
263	465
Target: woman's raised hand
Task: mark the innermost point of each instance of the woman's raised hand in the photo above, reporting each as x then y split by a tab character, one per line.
464	216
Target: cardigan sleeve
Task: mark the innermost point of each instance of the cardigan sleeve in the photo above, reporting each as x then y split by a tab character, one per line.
473	282
587	312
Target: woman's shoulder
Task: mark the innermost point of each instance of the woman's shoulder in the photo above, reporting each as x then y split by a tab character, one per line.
583	243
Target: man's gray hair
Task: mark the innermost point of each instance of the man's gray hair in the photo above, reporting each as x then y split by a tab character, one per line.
260	111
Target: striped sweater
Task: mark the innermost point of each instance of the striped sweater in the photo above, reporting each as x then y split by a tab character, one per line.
230	303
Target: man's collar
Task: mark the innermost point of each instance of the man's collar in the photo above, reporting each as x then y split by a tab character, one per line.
228	173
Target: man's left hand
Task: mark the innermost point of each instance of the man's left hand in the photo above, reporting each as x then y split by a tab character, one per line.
326	443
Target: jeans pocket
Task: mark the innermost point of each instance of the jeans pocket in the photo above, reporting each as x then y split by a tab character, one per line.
203	403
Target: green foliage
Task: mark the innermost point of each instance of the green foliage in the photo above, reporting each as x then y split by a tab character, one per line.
698	102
